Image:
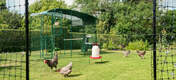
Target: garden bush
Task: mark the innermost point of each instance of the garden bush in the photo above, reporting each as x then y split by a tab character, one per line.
12	40
137	45
112	42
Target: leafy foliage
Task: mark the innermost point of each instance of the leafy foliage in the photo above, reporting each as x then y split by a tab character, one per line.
121	18
135	19
112	41
137	45
124	18
9	20
12	40
44	5
2	4
127	17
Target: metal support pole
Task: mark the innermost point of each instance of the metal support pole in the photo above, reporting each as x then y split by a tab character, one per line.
27	38
52	36
41	38
71	42
154	41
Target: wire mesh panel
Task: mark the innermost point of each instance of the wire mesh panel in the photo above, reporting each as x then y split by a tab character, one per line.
12	40
129	30
166	23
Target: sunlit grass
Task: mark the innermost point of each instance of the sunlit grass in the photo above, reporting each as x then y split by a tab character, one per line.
12	66
113	67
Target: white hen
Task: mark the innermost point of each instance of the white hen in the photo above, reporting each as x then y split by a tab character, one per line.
126	53
65	70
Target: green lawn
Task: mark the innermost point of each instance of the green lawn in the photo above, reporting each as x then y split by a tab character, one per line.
12	66
113	67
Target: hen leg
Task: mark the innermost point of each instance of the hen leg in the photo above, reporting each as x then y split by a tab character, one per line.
66	75
125	55
142	57
56	67
51	69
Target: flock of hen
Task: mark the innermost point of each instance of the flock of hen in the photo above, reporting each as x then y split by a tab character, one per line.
53	63
68	68
140	53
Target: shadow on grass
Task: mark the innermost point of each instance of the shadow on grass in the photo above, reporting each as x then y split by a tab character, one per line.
102	62
74	75
102	52
36	60
8	67
3	59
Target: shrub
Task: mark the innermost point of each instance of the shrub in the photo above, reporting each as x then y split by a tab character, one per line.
113	41
12	40
57	49
137	45
110	45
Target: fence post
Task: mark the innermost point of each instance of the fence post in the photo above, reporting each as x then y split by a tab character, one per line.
27	38
154	41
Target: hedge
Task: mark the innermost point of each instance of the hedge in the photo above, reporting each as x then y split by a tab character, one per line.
14	40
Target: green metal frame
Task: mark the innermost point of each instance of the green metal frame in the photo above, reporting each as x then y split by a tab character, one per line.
47	40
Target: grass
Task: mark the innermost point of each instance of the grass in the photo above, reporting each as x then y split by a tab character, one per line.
12	66
113	67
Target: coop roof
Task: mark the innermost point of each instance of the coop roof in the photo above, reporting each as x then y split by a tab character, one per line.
77	18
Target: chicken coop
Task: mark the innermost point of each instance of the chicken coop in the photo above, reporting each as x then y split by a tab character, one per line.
62	29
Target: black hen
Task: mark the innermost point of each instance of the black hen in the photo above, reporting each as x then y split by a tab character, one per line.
53	62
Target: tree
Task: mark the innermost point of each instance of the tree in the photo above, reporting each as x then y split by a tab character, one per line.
2	4
13	21
44	5
127	17
134	20
9	20
103	9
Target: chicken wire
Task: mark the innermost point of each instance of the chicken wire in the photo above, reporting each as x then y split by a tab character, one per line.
12	63
165	40
12	40
165	57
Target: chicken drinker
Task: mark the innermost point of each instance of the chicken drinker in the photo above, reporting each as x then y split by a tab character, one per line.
95	52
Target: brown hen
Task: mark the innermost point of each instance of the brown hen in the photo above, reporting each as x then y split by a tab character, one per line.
141	54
